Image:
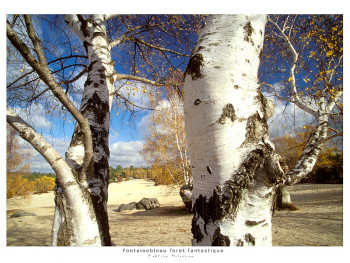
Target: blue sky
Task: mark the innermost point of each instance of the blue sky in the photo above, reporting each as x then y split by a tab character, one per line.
127	132
126	135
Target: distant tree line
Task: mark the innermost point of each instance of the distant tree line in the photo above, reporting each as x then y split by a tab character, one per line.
21	184
157	174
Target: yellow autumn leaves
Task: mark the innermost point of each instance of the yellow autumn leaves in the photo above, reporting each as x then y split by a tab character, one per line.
18	185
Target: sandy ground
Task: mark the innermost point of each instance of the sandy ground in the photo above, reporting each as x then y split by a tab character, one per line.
318	222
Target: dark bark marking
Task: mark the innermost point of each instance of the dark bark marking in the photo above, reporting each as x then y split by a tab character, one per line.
87	45
214	44
197	234
249	239
194	67
220	239
227	112
222	203
58	159
98	34
209	169
240	243
66	231
87	83
216	208
91	65
260	54
70	183
256	129
236	86
253	223
44	149
200	48
26	137
197	102
248	32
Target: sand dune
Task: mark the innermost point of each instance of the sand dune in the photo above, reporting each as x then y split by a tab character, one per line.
318	222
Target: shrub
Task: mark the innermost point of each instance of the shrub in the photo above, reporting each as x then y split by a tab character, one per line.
44	184
18	186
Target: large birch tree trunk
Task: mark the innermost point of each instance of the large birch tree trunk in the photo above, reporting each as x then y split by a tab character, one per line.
95	107
233	163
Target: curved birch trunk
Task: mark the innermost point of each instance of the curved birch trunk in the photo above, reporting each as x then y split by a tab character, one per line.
80	215
233	163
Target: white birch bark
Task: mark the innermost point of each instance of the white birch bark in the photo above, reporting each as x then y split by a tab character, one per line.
83	219
233	164
95	106
309	156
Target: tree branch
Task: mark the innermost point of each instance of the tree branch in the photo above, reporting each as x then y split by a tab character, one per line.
35	40
75	24
145	80
37	141
44	73
158	48
296	99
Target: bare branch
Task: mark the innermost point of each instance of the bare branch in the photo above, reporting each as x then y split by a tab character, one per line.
44	73
158	48
34	39
145	80
120	40
296	99
48	63
130	102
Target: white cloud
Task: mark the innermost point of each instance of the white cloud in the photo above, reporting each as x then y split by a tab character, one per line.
287	118
35	116
145	120
126	154
142	126
38	163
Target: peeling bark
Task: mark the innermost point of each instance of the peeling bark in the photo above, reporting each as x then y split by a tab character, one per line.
83	227
95	107
233	200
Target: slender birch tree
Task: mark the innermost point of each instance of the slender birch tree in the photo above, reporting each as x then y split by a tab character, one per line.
234	166
81	194
311	48
165	144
